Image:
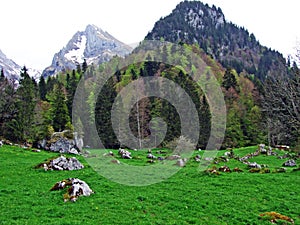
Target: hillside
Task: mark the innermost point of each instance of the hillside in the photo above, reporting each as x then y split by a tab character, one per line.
193	22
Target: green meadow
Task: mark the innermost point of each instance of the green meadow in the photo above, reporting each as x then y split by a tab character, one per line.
188	197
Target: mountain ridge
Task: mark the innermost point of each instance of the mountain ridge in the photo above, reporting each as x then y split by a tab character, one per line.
93	45
12	70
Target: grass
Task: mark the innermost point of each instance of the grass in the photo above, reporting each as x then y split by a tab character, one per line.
188	197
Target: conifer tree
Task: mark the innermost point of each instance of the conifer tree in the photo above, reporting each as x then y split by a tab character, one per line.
58	113
42	89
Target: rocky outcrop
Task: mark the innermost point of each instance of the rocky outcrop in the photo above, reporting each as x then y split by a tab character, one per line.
76	188
61	163
64	142
63	145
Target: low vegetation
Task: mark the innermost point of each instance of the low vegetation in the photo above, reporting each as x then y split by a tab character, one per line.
189	197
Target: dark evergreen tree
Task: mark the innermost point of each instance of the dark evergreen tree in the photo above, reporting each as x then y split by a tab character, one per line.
42	89
2	74
7	105
229	79
58	113
84	66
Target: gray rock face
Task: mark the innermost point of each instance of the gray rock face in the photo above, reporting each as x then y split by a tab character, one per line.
63	145
93	44
10	68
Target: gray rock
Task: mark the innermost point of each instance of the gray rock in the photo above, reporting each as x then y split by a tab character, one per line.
181	162
197	158
124	154
63	163
76	188
290	163
64	146
73	151
254	165
150	156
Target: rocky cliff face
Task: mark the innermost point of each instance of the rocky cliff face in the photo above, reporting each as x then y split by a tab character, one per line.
93	45
10	68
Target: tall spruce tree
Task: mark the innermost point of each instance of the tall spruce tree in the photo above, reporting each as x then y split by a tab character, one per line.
42	88
58	113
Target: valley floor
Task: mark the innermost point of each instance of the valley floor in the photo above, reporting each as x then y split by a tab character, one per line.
188	197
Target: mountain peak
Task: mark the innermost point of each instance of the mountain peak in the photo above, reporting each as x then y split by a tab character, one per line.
196	14
93	45
193	22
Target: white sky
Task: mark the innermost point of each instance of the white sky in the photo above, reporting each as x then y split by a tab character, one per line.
32	31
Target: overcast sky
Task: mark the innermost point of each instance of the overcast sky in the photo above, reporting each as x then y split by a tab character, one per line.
32	31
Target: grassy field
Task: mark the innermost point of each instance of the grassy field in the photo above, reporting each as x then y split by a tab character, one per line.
188	197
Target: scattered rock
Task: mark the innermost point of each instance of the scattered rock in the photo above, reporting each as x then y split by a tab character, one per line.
160	158
124	154
76	188
290	163
181	162
150	156
225	169
213	171
254	165
74	151
197	158
261	148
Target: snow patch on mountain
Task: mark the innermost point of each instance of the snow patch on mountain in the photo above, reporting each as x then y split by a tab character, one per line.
76	55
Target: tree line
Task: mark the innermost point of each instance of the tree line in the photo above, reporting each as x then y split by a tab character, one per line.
257	111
